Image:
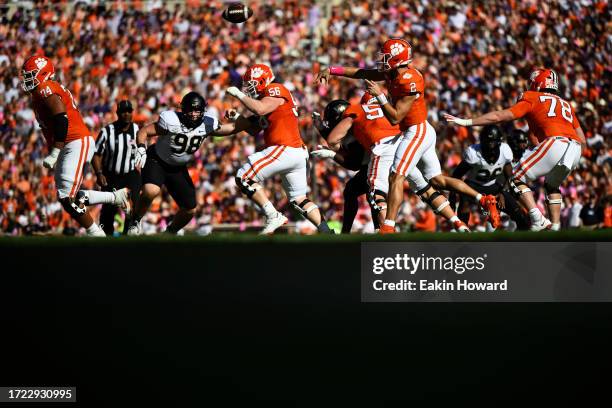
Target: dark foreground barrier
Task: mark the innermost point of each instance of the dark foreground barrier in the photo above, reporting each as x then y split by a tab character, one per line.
182	322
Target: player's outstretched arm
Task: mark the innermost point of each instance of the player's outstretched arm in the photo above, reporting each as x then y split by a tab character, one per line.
238	124
394	113
323	75
59	128
259	107
490	118
339	132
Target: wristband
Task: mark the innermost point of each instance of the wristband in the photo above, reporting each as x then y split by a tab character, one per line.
382	98
464	122
336	70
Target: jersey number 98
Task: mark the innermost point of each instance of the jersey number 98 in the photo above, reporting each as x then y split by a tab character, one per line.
185	144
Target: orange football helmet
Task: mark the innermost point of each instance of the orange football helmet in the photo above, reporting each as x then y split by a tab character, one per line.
35	70
393	54
368	99
543	78
256	78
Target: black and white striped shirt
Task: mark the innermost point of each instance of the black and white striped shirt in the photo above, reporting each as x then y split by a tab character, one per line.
117	149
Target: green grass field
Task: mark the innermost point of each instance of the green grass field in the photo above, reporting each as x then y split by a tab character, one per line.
247	238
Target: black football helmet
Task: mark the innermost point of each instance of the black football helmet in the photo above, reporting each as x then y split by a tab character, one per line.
490	141
518	142
332	115
193	106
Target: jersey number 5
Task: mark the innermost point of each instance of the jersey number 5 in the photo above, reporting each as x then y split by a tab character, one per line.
373	112
566	108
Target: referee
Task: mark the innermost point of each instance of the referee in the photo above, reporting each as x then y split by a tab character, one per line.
113	162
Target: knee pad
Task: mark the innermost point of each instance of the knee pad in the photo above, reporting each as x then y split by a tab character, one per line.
73	208
432	197
300	207
552	190
247	186
514	185
377	205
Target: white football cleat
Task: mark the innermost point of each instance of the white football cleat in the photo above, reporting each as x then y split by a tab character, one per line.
543	224
272	223
122	200
135	229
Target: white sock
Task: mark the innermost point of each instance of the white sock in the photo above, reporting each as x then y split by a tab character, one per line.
478	197
535	215
269	209
390	223
555	226
454	218
95	230
100	197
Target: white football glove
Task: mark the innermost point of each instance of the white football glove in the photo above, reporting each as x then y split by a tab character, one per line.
457	121
323	154
141	157
49	161
232	115
235	92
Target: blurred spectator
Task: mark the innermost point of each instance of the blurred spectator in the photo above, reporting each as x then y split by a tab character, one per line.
474	55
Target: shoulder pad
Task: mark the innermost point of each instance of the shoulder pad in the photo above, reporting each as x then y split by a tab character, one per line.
169	121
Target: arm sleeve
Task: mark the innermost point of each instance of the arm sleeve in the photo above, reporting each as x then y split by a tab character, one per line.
521	108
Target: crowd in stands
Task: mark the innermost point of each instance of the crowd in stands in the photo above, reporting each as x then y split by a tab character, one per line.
475	56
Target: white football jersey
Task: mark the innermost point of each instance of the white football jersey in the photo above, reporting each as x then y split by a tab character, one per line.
483	172
180	143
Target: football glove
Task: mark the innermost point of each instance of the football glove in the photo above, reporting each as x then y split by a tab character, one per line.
49	161
235	92
141	157
323	154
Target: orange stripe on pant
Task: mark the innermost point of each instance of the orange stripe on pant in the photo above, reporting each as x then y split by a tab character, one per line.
416	143
79	170
401	162
268	162
374	172
266	157
534	158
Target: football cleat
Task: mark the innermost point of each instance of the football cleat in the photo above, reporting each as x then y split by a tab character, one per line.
122	199
489	205
460	226
386	229
273	223
543	224
135	228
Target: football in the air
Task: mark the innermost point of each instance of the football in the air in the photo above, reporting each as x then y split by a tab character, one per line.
237	13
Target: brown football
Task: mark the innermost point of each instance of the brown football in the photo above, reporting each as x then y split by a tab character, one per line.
237	13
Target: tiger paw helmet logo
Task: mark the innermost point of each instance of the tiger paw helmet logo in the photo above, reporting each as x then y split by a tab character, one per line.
40	62
256	72
396	49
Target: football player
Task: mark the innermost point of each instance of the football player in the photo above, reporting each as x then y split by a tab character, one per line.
350	155
285	153
553	122
415	157
485	164
180	135
518	142
70	143
368	124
